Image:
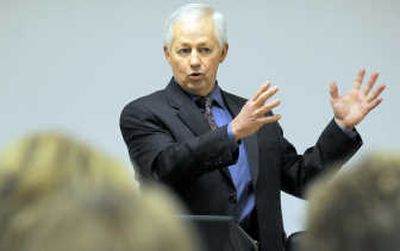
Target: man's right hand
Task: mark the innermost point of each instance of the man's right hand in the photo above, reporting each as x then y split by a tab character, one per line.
253	114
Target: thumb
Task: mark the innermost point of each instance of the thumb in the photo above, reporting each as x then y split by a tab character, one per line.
333	90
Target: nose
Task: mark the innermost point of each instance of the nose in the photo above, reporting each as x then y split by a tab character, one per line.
194	59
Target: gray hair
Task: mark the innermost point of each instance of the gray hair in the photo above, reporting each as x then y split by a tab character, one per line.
196	11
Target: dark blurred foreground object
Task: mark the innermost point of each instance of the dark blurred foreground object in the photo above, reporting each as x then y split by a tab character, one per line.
293	242
220	233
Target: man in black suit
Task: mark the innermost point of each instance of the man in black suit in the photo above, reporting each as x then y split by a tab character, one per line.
220	153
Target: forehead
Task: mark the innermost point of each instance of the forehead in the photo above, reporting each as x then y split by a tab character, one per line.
195	30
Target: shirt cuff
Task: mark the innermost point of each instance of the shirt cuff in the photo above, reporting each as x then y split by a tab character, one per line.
229	130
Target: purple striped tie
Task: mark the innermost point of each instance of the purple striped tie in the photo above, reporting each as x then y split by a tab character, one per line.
205	103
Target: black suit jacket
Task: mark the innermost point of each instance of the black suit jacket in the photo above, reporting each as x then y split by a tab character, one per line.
170	141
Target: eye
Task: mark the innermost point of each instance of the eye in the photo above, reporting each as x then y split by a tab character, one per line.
205	50
184	51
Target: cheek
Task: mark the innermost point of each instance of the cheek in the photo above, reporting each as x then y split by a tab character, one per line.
213	65
180	65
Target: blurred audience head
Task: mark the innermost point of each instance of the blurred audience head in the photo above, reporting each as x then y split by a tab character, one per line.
59	194
43	161
357	210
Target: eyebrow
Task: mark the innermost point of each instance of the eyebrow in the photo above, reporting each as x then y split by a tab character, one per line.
184	44
203	44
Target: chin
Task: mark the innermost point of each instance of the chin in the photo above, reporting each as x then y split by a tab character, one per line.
199	87
198	91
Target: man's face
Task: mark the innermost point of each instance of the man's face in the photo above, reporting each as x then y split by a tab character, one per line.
195	54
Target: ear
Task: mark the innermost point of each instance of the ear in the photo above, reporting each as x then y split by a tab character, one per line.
224	52
167	53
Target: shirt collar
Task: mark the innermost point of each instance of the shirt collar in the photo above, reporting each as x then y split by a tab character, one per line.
216	95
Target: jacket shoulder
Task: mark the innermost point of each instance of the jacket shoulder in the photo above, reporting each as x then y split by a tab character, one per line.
151	99
141	106
234	97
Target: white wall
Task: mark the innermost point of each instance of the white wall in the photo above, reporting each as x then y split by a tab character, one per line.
74	64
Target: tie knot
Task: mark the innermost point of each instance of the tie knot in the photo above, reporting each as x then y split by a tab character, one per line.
204	103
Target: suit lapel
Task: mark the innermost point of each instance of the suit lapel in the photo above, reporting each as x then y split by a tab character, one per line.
193	119
191	116
251	142
187	109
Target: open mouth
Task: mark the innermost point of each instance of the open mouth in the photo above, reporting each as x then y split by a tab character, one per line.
196	76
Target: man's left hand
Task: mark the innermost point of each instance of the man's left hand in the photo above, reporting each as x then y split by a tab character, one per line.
351	109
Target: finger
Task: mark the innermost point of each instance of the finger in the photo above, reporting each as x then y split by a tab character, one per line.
371	82
270	119
266	95
333	90
267	108
379	89
262	89
359	78
374	104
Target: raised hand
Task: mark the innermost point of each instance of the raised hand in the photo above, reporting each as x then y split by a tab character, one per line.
253	114
351	108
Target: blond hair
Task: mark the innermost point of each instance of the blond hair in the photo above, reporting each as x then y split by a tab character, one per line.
58	193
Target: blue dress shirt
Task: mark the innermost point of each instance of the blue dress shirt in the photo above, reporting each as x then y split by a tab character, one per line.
240	172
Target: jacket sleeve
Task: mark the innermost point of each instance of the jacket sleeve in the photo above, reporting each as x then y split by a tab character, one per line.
155	152
333	148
